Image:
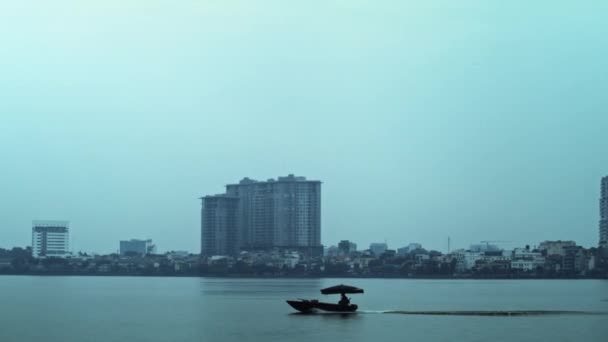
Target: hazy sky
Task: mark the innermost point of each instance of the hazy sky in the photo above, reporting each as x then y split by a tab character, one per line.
479	120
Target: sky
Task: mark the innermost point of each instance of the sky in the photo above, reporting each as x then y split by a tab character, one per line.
474	119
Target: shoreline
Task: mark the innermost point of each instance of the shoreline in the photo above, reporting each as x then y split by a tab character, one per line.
244	276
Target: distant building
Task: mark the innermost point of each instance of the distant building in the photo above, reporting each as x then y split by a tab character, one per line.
466	259
134	246
575	260
346	247
283	213
378	248
219	229
555	247
485	247
50	239
604	213
525	260
408	249
332	251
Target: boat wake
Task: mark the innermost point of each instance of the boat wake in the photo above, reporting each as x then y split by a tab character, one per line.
488	312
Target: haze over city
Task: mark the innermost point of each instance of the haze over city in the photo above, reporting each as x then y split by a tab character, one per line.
422	120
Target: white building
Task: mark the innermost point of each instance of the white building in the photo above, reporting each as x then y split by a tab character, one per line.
465	260
50	239
290	260
527	265
525	260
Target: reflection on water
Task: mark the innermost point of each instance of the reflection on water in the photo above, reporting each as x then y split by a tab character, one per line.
328	315
255	286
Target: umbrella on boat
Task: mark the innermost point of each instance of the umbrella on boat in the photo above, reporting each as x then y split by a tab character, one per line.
341	289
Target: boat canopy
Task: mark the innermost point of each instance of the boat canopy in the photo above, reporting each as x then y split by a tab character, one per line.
341	289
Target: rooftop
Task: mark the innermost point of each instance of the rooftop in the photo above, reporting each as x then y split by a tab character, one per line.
286	179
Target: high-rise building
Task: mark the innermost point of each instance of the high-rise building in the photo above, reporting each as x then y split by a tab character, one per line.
50	239
135	246
219	234
604	213
283	213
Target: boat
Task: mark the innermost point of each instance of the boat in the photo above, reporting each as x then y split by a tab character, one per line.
313	305
310	306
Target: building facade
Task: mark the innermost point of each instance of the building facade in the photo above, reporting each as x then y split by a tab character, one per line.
345	247
408	249
558	247
524	259
135	246
604	213
219	230
378	248
50	239
283	213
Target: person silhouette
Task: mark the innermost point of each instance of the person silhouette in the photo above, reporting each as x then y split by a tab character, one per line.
344	301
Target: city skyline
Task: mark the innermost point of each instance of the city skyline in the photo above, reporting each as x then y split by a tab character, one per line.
422	122
230	195
228	208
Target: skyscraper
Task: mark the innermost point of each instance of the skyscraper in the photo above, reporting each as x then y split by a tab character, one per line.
604	213
50	239
283	213
219	235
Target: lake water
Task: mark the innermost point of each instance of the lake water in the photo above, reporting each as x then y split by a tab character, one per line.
59	309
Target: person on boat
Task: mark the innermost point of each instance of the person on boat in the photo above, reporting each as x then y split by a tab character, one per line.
344	301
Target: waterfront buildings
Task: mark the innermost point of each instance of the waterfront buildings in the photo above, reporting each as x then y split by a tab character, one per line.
604	213
134	246
524	259
558	247
259	215
50	239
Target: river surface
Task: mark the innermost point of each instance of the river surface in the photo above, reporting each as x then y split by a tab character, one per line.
126	309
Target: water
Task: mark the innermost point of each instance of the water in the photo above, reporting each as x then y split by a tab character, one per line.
54	309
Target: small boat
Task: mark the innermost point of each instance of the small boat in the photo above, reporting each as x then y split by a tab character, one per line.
312	305
309	306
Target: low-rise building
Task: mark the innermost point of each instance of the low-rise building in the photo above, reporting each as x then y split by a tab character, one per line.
408	249
555	247
524	259
139	247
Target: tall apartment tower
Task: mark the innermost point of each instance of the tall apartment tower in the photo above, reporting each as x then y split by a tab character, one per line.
219	235
282	213
604	213
50	239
